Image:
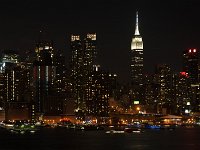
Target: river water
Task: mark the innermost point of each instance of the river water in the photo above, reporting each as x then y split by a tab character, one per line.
62	139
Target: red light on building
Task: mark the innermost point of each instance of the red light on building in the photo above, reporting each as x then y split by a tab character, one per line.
192	50
185	74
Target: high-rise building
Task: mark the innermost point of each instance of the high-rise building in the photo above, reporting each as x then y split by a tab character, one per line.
9	58
150	94
83	57
9	61
60	73
14	88
77	73
191	67
137	65
89	47
182	92
191	64
43	74
163	79
60	92
137	56
97	93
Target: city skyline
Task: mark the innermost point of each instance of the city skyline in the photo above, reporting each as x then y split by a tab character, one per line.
167	29
91	88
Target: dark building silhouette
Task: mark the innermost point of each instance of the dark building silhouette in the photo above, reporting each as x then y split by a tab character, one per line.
191	64
15	86
182	92
150	94
43	75
163	79
191	67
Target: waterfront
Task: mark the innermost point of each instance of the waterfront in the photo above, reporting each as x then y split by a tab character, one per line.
61	139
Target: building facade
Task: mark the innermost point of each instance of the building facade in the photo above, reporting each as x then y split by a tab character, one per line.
97	93
191	67
137	64
14	88
191	64
43	73
83	53
163	78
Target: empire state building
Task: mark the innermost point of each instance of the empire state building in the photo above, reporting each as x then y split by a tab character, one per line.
137	65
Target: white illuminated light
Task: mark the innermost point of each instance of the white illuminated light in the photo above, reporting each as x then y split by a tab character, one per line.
137	44
13	86
136	102
91	36
46	47
137	26
194	50
75	37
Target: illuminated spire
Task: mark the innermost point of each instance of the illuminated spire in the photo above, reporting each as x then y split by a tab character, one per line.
136	25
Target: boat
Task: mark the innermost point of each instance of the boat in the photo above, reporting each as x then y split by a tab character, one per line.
133	130
124	130
115	131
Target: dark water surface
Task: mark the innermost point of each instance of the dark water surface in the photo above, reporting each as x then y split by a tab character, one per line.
61	139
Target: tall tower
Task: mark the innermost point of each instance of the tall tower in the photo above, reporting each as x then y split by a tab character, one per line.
43	71
137	65
77	73
89	52
83	57
191	67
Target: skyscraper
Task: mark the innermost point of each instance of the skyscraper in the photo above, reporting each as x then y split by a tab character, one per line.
97	93
15	86
89	52
137	65
43	74
182	93
191	63
191	67
137	56
77	69
83	55
163	79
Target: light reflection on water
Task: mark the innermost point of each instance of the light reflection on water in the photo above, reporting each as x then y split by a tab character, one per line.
61	139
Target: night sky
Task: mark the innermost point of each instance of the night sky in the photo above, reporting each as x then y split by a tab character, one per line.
167	28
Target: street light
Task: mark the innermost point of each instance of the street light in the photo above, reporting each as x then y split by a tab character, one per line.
138	108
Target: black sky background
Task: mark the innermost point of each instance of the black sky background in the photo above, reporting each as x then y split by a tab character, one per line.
167	28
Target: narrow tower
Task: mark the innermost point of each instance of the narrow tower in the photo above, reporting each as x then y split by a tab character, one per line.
137	65
137	57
